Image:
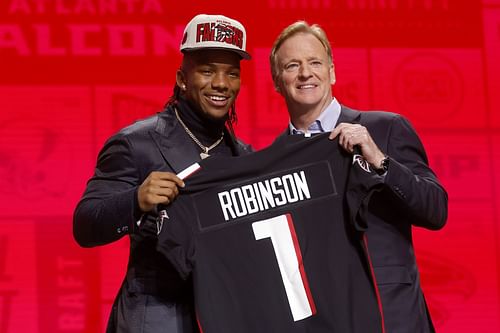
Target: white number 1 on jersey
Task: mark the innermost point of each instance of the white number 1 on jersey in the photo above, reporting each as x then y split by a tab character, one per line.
286	247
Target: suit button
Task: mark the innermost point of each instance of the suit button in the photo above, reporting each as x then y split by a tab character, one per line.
398	191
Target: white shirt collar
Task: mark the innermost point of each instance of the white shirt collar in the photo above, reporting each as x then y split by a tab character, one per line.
327	119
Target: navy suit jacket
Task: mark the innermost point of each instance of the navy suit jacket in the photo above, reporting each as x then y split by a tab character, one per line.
412	196
109	210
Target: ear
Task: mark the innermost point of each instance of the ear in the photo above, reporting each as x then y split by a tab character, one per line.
277	85
333	79
180	79
277	88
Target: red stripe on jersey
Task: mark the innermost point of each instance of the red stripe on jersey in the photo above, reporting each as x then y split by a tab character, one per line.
298	253
198	322
374	279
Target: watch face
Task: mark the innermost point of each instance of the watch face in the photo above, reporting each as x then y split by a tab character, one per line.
385	164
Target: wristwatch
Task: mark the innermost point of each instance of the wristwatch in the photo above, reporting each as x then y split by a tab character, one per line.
384	166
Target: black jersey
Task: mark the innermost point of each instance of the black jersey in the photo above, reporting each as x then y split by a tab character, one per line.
273	242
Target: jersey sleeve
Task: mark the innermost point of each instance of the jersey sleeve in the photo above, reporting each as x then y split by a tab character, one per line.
362	183
176	238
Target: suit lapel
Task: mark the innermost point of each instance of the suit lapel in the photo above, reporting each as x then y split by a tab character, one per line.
281	137
348	115
174	144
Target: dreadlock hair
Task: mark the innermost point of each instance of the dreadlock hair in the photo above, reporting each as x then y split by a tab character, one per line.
172	100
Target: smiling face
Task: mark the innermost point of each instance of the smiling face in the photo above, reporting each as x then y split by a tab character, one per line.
210	79
305	75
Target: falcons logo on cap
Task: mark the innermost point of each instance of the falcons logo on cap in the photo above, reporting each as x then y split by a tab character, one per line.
223	32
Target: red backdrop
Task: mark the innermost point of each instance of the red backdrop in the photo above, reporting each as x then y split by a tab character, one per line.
72	72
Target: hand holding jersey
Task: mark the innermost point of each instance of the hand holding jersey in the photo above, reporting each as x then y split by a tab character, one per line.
351	135
159	187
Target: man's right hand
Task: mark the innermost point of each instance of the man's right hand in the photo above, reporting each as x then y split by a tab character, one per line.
351	135
158	188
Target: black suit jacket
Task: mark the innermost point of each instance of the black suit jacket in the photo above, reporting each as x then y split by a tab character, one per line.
109	210
412	196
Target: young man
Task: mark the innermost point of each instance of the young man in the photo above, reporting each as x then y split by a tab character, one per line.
136	170
303	73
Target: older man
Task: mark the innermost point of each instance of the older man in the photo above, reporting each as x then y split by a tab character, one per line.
303	73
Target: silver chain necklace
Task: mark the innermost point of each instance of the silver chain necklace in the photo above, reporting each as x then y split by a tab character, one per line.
204	154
